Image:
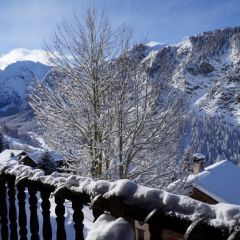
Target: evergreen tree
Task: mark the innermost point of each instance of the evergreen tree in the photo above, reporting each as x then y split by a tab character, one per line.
47	163
2	143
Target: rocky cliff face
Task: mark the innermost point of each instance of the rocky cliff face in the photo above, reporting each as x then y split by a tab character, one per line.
206	68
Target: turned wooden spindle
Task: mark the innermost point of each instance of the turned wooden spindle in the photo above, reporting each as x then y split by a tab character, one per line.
47	229
78	218
34	226
22	218
12	208
3	209
60	210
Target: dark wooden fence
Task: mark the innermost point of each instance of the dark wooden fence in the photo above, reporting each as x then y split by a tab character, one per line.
161	226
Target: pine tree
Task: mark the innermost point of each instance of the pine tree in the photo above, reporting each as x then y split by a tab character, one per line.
2	143
46	162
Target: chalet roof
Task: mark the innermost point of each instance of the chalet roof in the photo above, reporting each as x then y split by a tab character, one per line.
9	155
220	181
35	156
12	155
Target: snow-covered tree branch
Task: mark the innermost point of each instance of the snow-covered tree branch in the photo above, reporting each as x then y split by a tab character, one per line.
102	111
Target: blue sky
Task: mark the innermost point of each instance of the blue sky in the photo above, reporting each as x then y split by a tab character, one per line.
26	23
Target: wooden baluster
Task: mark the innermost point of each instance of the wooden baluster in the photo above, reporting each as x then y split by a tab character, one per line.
96	213
3	210
78	218
155	231
12	208
154	228
47	229
34	226
22	218
196	230
60	210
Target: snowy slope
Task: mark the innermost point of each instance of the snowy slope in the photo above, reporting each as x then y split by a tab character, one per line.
7	158
206	68
14	81
16	116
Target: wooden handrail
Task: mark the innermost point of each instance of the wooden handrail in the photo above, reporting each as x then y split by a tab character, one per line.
156	219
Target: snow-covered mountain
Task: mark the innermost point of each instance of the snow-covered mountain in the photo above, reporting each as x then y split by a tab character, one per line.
205	67
14	81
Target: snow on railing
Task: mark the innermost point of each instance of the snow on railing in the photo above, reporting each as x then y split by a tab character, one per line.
123	198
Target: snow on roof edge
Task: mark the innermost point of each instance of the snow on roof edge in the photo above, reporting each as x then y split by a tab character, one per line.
217	181
210	194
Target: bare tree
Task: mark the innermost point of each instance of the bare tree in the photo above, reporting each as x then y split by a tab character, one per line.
102	111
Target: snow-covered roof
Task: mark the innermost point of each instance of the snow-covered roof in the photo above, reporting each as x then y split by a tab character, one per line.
35	156
220	181
9	155
199	156
12	155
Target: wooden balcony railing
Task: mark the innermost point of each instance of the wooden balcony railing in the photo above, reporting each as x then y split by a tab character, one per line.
13	217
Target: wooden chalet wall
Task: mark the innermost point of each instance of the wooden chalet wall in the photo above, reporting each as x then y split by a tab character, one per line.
201	196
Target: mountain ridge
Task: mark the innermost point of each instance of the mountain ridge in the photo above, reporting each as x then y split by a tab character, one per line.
205	67
15	80
199	64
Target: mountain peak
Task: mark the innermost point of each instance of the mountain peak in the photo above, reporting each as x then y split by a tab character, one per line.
15	80
38	69
218	32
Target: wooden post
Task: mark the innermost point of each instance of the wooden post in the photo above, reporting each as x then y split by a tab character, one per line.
153	225
60	210
78	218
96	213
12	208
47	229
155	231
3	209
22	218
34	226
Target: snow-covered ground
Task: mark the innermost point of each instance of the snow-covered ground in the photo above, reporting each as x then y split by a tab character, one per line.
17	144
108	228
17	77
